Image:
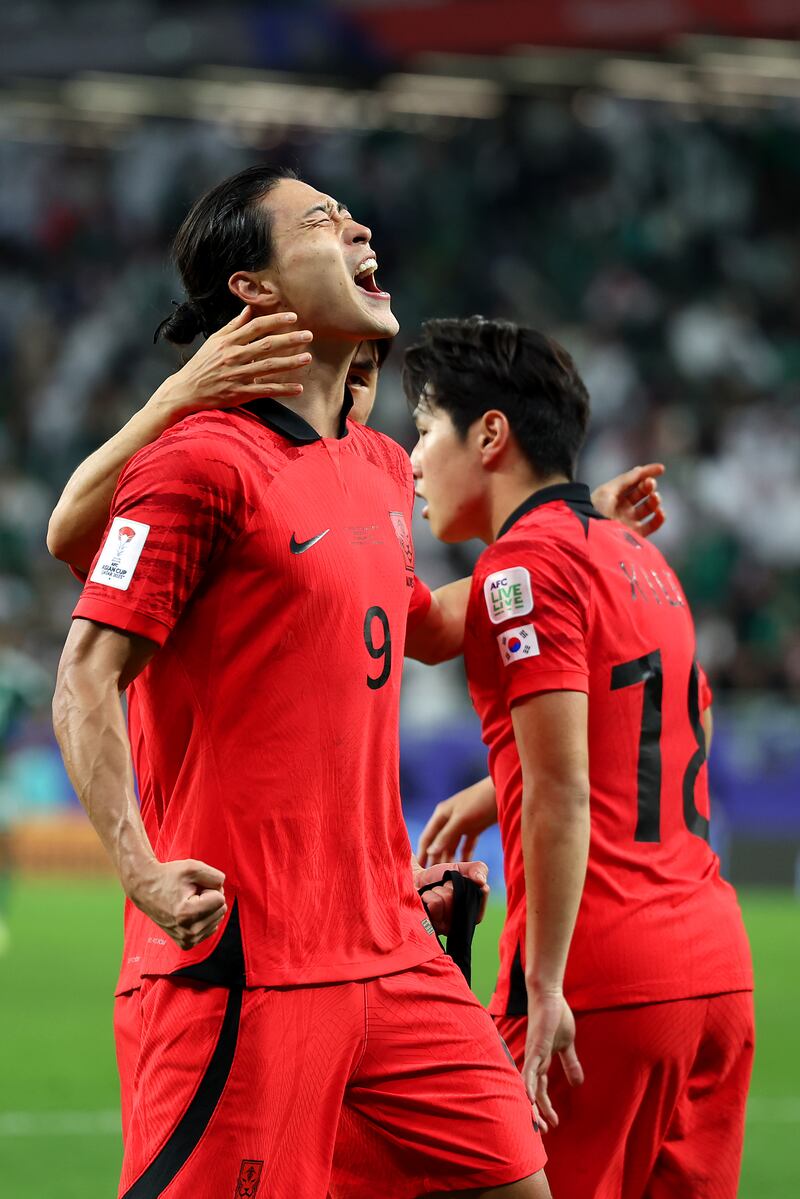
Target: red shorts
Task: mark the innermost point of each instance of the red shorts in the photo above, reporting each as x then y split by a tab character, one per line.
398	1083
661	1112
127	1038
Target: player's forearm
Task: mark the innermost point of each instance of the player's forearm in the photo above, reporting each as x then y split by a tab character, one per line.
555	842
90	729
440	636
79	518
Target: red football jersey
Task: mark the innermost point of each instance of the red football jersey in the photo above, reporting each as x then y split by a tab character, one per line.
566	600
274	568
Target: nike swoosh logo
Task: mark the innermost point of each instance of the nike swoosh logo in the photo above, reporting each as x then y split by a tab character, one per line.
300	547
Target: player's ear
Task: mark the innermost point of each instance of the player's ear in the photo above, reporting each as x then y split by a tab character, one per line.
257	290
493	435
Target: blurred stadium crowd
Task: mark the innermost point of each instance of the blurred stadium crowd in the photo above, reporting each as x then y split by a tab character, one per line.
664	252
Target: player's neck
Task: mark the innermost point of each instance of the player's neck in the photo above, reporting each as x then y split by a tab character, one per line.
508	490
323	387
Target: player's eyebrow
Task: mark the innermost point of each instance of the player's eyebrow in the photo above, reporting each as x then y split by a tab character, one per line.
340	208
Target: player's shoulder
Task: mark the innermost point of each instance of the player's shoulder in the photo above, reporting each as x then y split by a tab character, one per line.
538	537
617	538
363	438
639	559
211	447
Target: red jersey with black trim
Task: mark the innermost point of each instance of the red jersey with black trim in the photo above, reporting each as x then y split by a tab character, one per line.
274	569
566	600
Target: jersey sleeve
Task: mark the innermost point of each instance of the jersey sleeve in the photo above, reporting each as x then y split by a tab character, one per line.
532	606
177	505
420	603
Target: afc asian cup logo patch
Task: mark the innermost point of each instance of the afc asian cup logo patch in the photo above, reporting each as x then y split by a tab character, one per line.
519	643
120	553
404	537
508	593
249	1178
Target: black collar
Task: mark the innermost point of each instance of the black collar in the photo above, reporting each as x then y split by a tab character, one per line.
575	495
290	424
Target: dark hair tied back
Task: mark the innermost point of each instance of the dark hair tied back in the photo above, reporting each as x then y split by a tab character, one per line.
227	230
183	325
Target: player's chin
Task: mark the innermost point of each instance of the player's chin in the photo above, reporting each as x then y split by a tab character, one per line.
442	529
378	319
383	325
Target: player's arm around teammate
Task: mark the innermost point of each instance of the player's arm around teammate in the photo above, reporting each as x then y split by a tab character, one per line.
632	498
456	823
248	358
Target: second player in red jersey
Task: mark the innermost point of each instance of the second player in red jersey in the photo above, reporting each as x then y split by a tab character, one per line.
565	600
580	658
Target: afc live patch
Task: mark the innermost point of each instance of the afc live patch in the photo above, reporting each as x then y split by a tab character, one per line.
249	1178
519	643
120	553
508	593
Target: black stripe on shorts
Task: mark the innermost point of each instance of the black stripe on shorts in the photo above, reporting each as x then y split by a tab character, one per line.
190	1128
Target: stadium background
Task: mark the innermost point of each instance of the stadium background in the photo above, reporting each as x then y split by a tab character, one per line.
625	175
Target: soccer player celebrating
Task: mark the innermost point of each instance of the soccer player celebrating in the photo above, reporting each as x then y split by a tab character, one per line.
301	1029
268	355
579	652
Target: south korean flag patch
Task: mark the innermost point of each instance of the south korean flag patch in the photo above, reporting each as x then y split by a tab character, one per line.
517	644
120	553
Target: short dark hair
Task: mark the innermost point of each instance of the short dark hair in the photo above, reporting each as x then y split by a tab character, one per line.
225	231
465	367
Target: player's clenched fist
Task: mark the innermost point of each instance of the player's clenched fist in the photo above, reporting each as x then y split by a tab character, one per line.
186	899
439	899
249	358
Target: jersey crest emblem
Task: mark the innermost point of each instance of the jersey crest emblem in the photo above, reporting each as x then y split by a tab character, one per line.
404	537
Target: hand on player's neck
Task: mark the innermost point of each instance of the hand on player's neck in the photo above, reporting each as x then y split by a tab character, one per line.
323	386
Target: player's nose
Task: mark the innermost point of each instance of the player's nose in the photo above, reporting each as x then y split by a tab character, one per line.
356	233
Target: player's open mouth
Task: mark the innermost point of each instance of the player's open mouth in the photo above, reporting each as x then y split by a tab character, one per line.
425	508
364	279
